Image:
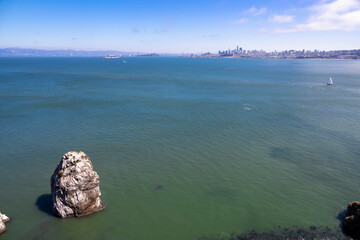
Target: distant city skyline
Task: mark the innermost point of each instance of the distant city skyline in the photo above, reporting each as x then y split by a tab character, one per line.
180	26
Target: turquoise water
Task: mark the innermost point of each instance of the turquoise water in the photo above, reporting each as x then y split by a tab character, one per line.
184	147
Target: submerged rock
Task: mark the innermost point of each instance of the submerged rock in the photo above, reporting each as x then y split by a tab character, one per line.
351	223
3	219
75	187
294	233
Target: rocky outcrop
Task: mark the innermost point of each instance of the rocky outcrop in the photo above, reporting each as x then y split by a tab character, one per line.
75	187
351	223
3	219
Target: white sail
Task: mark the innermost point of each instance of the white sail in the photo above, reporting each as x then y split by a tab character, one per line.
330	82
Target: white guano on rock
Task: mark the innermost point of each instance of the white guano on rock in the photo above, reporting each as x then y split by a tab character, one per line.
3	219
75	187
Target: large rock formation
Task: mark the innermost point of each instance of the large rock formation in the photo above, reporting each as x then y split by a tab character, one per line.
3	219
351	223
75	187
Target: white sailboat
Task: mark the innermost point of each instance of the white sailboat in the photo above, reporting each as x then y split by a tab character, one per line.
330	82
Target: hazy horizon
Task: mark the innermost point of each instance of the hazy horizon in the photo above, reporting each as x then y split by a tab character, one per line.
180	26
161	53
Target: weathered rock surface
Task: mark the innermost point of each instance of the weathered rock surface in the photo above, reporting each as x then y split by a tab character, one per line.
75	187
3	219
351	223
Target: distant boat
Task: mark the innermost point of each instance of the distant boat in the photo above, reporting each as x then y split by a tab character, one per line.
330	82
111	56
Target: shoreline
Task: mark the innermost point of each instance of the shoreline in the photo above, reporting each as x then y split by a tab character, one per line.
294	233
280	58
163	56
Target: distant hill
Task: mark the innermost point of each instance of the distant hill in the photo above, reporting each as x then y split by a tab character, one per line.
27	52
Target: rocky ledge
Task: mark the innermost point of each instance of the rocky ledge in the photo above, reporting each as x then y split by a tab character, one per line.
351	223
75	187
3	219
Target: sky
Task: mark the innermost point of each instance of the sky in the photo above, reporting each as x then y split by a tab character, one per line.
180	26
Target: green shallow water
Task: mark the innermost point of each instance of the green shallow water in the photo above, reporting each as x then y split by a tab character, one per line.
185	148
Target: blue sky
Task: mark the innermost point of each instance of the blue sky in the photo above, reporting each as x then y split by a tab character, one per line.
180	26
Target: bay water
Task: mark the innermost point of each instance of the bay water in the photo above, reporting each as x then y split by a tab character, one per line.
184	147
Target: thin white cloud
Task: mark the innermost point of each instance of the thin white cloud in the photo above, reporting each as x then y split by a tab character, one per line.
263	30
282	18
240	21
257	11
330	15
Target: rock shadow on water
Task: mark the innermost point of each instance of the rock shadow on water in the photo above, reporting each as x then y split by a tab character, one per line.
341	216
44	203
